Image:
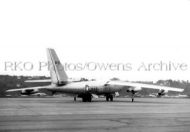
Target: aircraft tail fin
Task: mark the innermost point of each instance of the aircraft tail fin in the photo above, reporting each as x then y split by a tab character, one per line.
57	72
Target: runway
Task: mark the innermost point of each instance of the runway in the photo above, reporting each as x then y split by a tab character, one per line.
63	114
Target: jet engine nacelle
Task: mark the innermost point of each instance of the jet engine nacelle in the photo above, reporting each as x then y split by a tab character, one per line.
162	92
28	91
134	89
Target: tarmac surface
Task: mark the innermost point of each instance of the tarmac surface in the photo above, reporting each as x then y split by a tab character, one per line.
63	114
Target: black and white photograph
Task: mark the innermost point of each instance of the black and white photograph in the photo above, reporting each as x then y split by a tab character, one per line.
95	66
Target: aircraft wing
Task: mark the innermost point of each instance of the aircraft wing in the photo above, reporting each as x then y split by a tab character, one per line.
34	81
28	88
32	90
148	86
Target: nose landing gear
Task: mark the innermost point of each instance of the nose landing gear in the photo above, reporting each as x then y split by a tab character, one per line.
109	97
132	96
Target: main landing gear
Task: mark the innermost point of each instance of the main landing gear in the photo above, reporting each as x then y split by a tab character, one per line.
109	97
87	98
75	98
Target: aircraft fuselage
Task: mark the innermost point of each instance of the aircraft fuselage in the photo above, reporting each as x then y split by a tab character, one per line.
93	87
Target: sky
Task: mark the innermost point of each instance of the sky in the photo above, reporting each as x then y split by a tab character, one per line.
103	31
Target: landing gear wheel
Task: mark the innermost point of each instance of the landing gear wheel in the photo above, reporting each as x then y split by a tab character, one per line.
132	96
83	99
87	98
90	99
111	97
75	98
107	98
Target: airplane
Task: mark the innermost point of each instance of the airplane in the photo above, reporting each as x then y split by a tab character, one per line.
60	83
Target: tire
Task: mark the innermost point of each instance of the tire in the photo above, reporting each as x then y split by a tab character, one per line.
107	98
90	99
87	98
111	98
83	99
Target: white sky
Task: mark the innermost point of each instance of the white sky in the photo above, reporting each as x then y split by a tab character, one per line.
97	31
